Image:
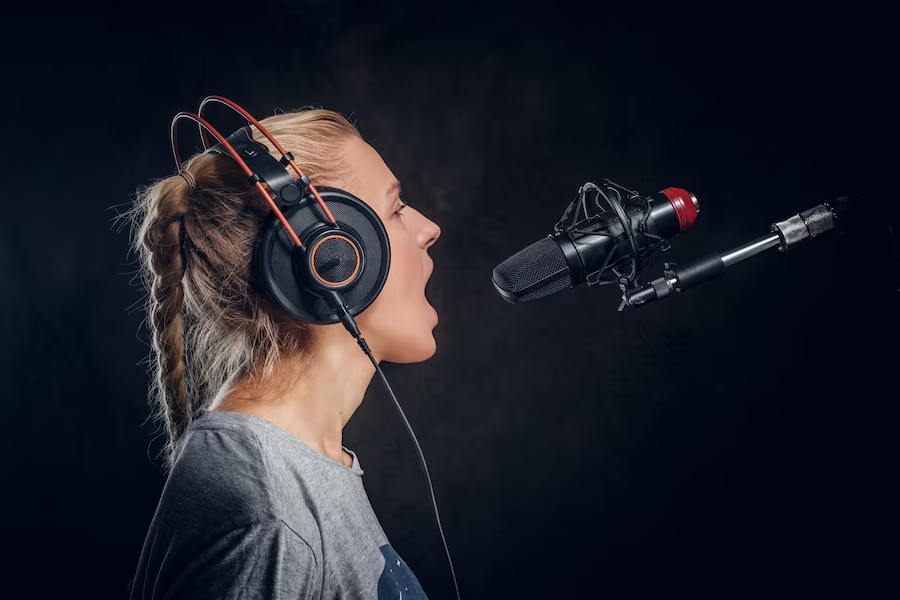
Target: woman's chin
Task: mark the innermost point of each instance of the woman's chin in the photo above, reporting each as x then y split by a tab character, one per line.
426	348
418	350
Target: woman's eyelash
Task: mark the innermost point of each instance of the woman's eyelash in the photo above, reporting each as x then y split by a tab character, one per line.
402	205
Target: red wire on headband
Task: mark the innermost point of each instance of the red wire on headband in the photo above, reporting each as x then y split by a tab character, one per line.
265	132
199	120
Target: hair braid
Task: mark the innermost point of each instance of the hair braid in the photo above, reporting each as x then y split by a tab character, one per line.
164	241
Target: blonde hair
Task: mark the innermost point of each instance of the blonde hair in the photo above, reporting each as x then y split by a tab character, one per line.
212	327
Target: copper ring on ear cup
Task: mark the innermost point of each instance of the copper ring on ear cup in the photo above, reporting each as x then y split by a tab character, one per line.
315	270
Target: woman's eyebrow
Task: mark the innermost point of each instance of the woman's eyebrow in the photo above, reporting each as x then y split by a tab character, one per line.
392	189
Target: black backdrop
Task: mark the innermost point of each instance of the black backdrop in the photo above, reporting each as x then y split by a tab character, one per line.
733	440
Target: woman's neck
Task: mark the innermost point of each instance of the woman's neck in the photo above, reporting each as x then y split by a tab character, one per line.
319	404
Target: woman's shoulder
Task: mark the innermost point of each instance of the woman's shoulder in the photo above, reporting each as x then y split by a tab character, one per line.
213	442
221	471
220	501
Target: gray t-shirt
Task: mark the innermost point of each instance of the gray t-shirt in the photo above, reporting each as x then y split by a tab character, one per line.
250	511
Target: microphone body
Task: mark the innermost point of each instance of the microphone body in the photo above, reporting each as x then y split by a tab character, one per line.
594	248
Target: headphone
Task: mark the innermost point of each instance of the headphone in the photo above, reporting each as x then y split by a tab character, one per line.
322	254
322	263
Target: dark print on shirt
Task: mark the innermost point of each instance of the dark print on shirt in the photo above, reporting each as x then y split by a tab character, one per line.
397	582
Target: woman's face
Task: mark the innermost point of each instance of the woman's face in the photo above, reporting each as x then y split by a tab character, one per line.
398	324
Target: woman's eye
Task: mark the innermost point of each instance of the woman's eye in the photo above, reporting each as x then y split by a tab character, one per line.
402	206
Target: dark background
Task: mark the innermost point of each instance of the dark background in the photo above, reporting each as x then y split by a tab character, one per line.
733	440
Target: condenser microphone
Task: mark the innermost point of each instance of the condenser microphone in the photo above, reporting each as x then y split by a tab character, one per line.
597	244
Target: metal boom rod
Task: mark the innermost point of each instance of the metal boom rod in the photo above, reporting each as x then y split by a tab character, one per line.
784	236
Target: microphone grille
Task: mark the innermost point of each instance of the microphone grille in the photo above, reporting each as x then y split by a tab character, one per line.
542	263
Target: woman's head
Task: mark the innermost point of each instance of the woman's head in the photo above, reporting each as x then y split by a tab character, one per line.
210	322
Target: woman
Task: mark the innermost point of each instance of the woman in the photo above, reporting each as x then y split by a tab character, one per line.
262	499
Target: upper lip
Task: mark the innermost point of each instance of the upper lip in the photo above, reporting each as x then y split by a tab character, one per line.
430	271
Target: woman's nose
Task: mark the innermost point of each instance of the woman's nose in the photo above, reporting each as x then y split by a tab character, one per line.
429	234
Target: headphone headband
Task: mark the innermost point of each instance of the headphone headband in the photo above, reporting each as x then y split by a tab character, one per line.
271	171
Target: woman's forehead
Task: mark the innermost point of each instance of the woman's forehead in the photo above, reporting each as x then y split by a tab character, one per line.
372	179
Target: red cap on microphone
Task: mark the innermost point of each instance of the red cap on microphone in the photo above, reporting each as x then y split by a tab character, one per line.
685	204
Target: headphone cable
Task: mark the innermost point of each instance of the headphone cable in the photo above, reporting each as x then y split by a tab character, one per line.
365	347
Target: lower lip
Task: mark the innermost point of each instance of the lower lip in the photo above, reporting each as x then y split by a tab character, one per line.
435	313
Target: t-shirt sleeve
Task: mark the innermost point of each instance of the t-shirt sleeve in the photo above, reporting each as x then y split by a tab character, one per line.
262	561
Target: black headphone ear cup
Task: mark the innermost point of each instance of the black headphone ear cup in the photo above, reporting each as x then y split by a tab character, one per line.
276	261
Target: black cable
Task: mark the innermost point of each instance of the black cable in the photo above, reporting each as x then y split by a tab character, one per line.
365	347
